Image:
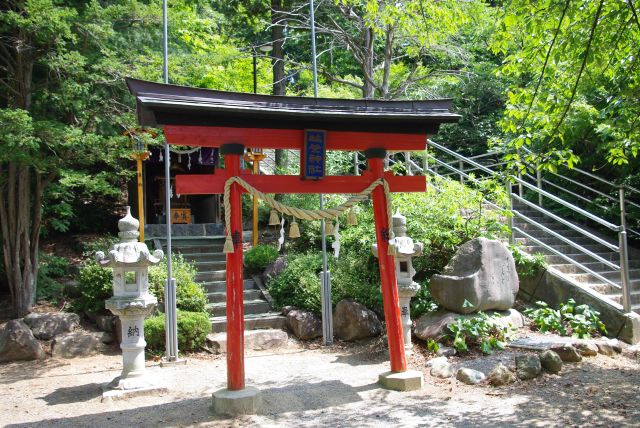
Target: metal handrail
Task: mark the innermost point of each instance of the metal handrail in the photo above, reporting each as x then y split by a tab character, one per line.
621	229
567	223
564	256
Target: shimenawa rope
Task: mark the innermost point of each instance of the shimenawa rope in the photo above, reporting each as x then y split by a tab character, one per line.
303	214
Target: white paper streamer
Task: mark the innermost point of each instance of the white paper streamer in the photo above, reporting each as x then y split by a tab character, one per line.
336	242
281	238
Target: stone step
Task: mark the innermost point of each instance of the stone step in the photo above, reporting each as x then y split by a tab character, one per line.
570	268
580	258
256	306
568	249
211	275
198	248
221	296
205	266
221	286
611	275
178	241
567	233
251	322
196	257
635	298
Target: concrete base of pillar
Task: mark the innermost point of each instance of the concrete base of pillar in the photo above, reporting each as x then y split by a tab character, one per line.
246	401
411	380
171	363
122	389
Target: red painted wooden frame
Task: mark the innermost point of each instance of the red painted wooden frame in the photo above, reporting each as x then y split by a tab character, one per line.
215	136
214	183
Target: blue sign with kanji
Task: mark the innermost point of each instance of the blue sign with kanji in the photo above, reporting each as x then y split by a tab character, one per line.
313	153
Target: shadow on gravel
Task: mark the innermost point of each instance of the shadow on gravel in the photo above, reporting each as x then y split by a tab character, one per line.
73	394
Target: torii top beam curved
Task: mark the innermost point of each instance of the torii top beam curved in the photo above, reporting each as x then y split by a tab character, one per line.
203	117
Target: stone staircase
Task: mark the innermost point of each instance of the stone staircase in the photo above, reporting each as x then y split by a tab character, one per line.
206	253
606	290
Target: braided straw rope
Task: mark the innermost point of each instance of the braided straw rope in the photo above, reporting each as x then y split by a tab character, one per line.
303	214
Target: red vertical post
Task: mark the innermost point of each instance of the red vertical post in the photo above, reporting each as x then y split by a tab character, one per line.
387	266
235	304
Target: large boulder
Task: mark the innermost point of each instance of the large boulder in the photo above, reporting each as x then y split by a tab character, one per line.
46	326
303	324
78	345
353	321
482	273
17	343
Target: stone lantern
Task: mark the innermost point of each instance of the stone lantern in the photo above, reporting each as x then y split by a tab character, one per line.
131	300
406	249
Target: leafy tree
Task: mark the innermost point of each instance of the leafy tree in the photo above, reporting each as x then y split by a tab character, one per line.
575	65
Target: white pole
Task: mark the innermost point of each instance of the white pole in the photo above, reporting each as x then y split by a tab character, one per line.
327	317
171	337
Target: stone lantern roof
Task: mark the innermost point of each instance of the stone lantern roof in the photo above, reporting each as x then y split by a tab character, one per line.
129	252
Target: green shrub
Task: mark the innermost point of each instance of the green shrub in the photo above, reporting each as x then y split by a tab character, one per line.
91	244
190	295
482	330
580	321
299	283
355	275
423	302
95	285
527	265
51	268
259	257
193	328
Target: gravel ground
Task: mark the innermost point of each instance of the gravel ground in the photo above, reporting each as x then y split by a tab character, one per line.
307	385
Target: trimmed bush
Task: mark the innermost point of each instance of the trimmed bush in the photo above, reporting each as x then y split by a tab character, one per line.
259	257
95	286
193	328
299	283
190	295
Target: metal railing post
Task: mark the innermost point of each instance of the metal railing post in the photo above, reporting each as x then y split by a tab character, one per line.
510	222
461	169
624	254
407	162
425	163
539	183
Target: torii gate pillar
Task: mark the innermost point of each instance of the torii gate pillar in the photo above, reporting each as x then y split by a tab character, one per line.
399	378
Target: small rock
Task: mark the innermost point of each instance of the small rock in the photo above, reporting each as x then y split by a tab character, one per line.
605	348
567	353
17	343
275	268
586	348
551	361
77	345
46	326
433	325
442	369
470	376
303	324
108	338
435	361
106	322
616	345
286	309
446	351
528	366
353	321
501	375
633	351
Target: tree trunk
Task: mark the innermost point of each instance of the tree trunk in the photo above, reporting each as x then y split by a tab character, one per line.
368	90
20	206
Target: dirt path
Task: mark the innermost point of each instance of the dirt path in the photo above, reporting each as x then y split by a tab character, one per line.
312	386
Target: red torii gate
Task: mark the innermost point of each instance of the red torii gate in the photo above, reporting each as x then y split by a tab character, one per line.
234	121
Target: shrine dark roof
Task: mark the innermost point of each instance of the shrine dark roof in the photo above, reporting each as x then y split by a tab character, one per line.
161	104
